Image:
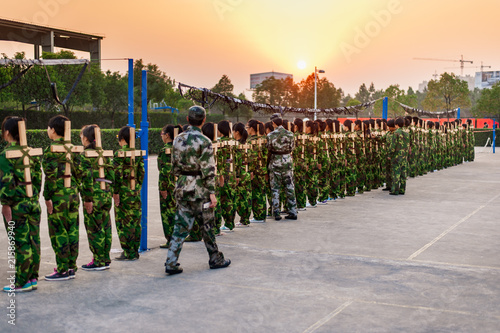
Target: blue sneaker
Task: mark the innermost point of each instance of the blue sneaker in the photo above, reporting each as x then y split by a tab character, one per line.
34	284
26	287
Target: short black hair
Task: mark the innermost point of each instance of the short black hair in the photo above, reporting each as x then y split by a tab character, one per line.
278	121
400	122
300	124
10	123
208	130
348	124
57	123
391	123
224	128
124	134
169	129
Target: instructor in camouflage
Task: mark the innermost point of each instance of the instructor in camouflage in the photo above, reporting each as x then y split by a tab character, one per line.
194	165
280	144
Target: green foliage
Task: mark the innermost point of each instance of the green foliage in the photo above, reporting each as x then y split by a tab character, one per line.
481	136
489	103
447	94
353	102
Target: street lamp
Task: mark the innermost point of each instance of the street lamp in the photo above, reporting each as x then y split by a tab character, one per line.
316	71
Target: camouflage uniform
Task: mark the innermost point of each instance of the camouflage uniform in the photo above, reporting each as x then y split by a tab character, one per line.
351	164
25	213
311	165
299	172
324	176
193	162
227	191
64	220
243	200
166	182
258	171
128	214
98	223
398	154
280	144
386	167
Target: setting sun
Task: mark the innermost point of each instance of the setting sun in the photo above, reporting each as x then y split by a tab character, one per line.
301	64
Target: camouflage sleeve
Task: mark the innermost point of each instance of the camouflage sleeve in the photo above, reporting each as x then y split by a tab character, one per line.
118	167
140	171
36	174
7	182
165	171
50	167
110	173
207	166
86	176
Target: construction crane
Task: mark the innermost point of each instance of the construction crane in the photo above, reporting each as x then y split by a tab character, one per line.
461	61
482	66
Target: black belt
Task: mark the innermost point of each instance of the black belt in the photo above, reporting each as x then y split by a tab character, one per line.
280	153
191	173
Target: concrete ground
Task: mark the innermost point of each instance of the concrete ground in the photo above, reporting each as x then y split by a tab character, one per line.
428	261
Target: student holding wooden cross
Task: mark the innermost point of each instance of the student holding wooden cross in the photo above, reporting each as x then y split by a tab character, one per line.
20	185
166	181
129	174
61	168
97	180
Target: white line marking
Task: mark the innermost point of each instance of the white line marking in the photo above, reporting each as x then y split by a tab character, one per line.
425	247
324	320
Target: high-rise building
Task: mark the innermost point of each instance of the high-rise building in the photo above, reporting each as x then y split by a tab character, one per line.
256	79
486	79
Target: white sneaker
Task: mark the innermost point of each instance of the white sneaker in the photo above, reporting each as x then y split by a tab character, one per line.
257	221
301	209
241	225
226	229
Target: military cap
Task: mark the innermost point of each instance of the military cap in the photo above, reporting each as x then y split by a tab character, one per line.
275	116
197	113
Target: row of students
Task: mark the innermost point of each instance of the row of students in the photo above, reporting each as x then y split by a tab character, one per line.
69	172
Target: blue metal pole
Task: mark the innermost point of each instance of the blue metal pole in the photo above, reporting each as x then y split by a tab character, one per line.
131	93
144	146
458	113
385	107
494	136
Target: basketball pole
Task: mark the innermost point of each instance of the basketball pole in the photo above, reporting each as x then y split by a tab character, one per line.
131	93
144	146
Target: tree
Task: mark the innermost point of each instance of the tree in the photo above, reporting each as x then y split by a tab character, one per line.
353	102
158	83
327	95
488	104
115	90
395	94
363	94
446	94
224	87
269	91
243	110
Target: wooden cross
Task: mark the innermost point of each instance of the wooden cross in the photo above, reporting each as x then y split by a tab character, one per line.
25	152
100	154
246	146
259	142
132	153
67	148
215	145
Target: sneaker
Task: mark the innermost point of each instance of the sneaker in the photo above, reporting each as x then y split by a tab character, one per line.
177	270
26	287
291	217
257	221
322	202
277	217
56	276
164	246
301	209
71	273
122	257
91	266
223	265
241	225
315	206
34	284
386	189
106	265
226	229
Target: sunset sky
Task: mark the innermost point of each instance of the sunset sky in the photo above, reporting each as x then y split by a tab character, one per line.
355	42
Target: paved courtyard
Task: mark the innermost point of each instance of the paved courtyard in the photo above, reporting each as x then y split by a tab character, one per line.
428	261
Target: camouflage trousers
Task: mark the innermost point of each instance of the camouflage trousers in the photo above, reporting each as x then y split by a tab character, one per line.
398	175
64	230
269	195
189	213
243	202
312	185
227	205
283	178
258	197
128	223
300	188
324	183
167	211
195	231
351	176
98	225
26	216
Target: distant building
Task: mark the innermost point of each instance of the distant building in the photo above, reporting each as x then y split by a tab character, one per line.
256	79
423	86
486	79
471	82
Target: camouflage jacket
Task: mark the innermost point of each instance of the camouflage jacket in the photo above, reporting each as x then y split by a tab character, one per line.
280	144
123	167
166	178
257	157
54	166
193	152
240	162
12	174
90	174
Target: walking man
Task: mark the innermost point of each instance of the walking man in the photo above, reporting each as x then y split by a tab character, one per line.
194	165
